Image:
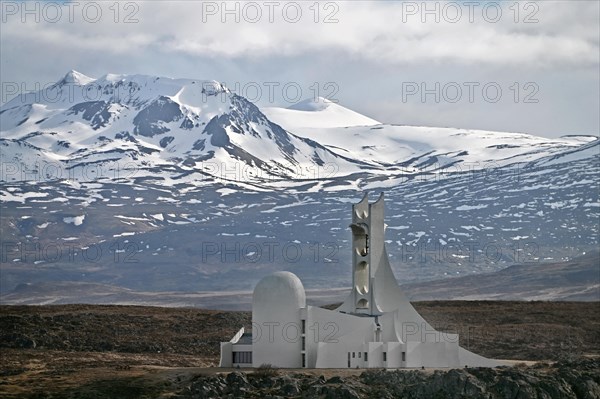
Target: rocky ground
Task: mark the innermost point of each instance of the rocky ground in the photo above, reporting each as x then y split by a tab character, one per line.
578	379
88	351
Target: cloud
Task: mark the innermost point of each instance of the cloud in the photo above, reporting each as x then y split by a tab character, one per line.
369	50
392	32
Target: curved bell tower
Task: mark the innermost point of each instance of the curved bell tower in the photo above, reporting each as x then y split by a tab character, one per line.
367	251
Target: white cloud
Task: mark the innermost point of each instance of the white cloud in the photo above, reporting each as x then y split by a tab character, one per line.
565	35
368	54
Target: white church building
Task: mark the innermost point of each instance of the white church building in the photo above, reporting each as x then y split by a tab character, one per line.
375	327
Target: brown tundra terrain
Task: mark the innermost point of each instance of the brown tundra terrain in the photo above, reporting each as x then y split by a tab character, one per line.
96	351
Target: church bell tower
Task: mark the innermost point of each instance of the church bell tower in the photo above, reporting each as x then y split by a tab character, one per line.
367	252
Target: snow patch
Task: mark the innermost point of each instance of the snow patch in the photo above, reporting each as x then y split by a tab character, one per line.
75	220
471	207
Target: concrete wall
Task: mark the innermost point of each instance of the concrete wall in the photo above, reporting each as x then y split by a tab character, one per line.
226	355
331	335
432	354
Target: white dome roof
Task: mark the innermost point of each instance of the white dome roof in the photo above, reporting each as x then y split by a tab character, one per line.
279	290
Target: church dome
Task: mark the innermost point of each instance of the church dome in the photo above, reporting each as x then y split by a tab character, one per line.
279	290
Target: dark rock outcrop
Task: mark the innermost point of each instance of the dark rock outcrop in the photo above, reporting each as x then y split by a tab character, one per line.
569	380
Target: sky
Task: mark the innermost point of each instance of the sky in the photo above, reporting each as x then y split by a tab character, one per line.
526	66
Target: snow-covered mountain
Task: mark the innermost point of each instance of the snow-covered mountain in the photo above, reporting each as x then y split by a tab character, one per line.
154	183
393	149
198	131
317	113
154	125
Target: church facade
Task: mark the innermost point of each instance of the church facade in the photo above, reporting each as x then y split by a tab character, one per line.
375	327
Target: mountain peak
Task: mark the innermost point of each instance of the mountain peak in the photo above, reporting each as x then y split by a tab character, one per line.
77	78
312	104
315	113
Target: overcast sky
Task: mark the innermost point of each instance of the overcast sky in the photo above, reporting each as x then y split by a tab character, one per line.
519	66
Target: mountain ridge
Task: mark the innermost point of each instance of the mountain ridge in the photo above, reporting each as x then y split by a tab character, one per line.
199	127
